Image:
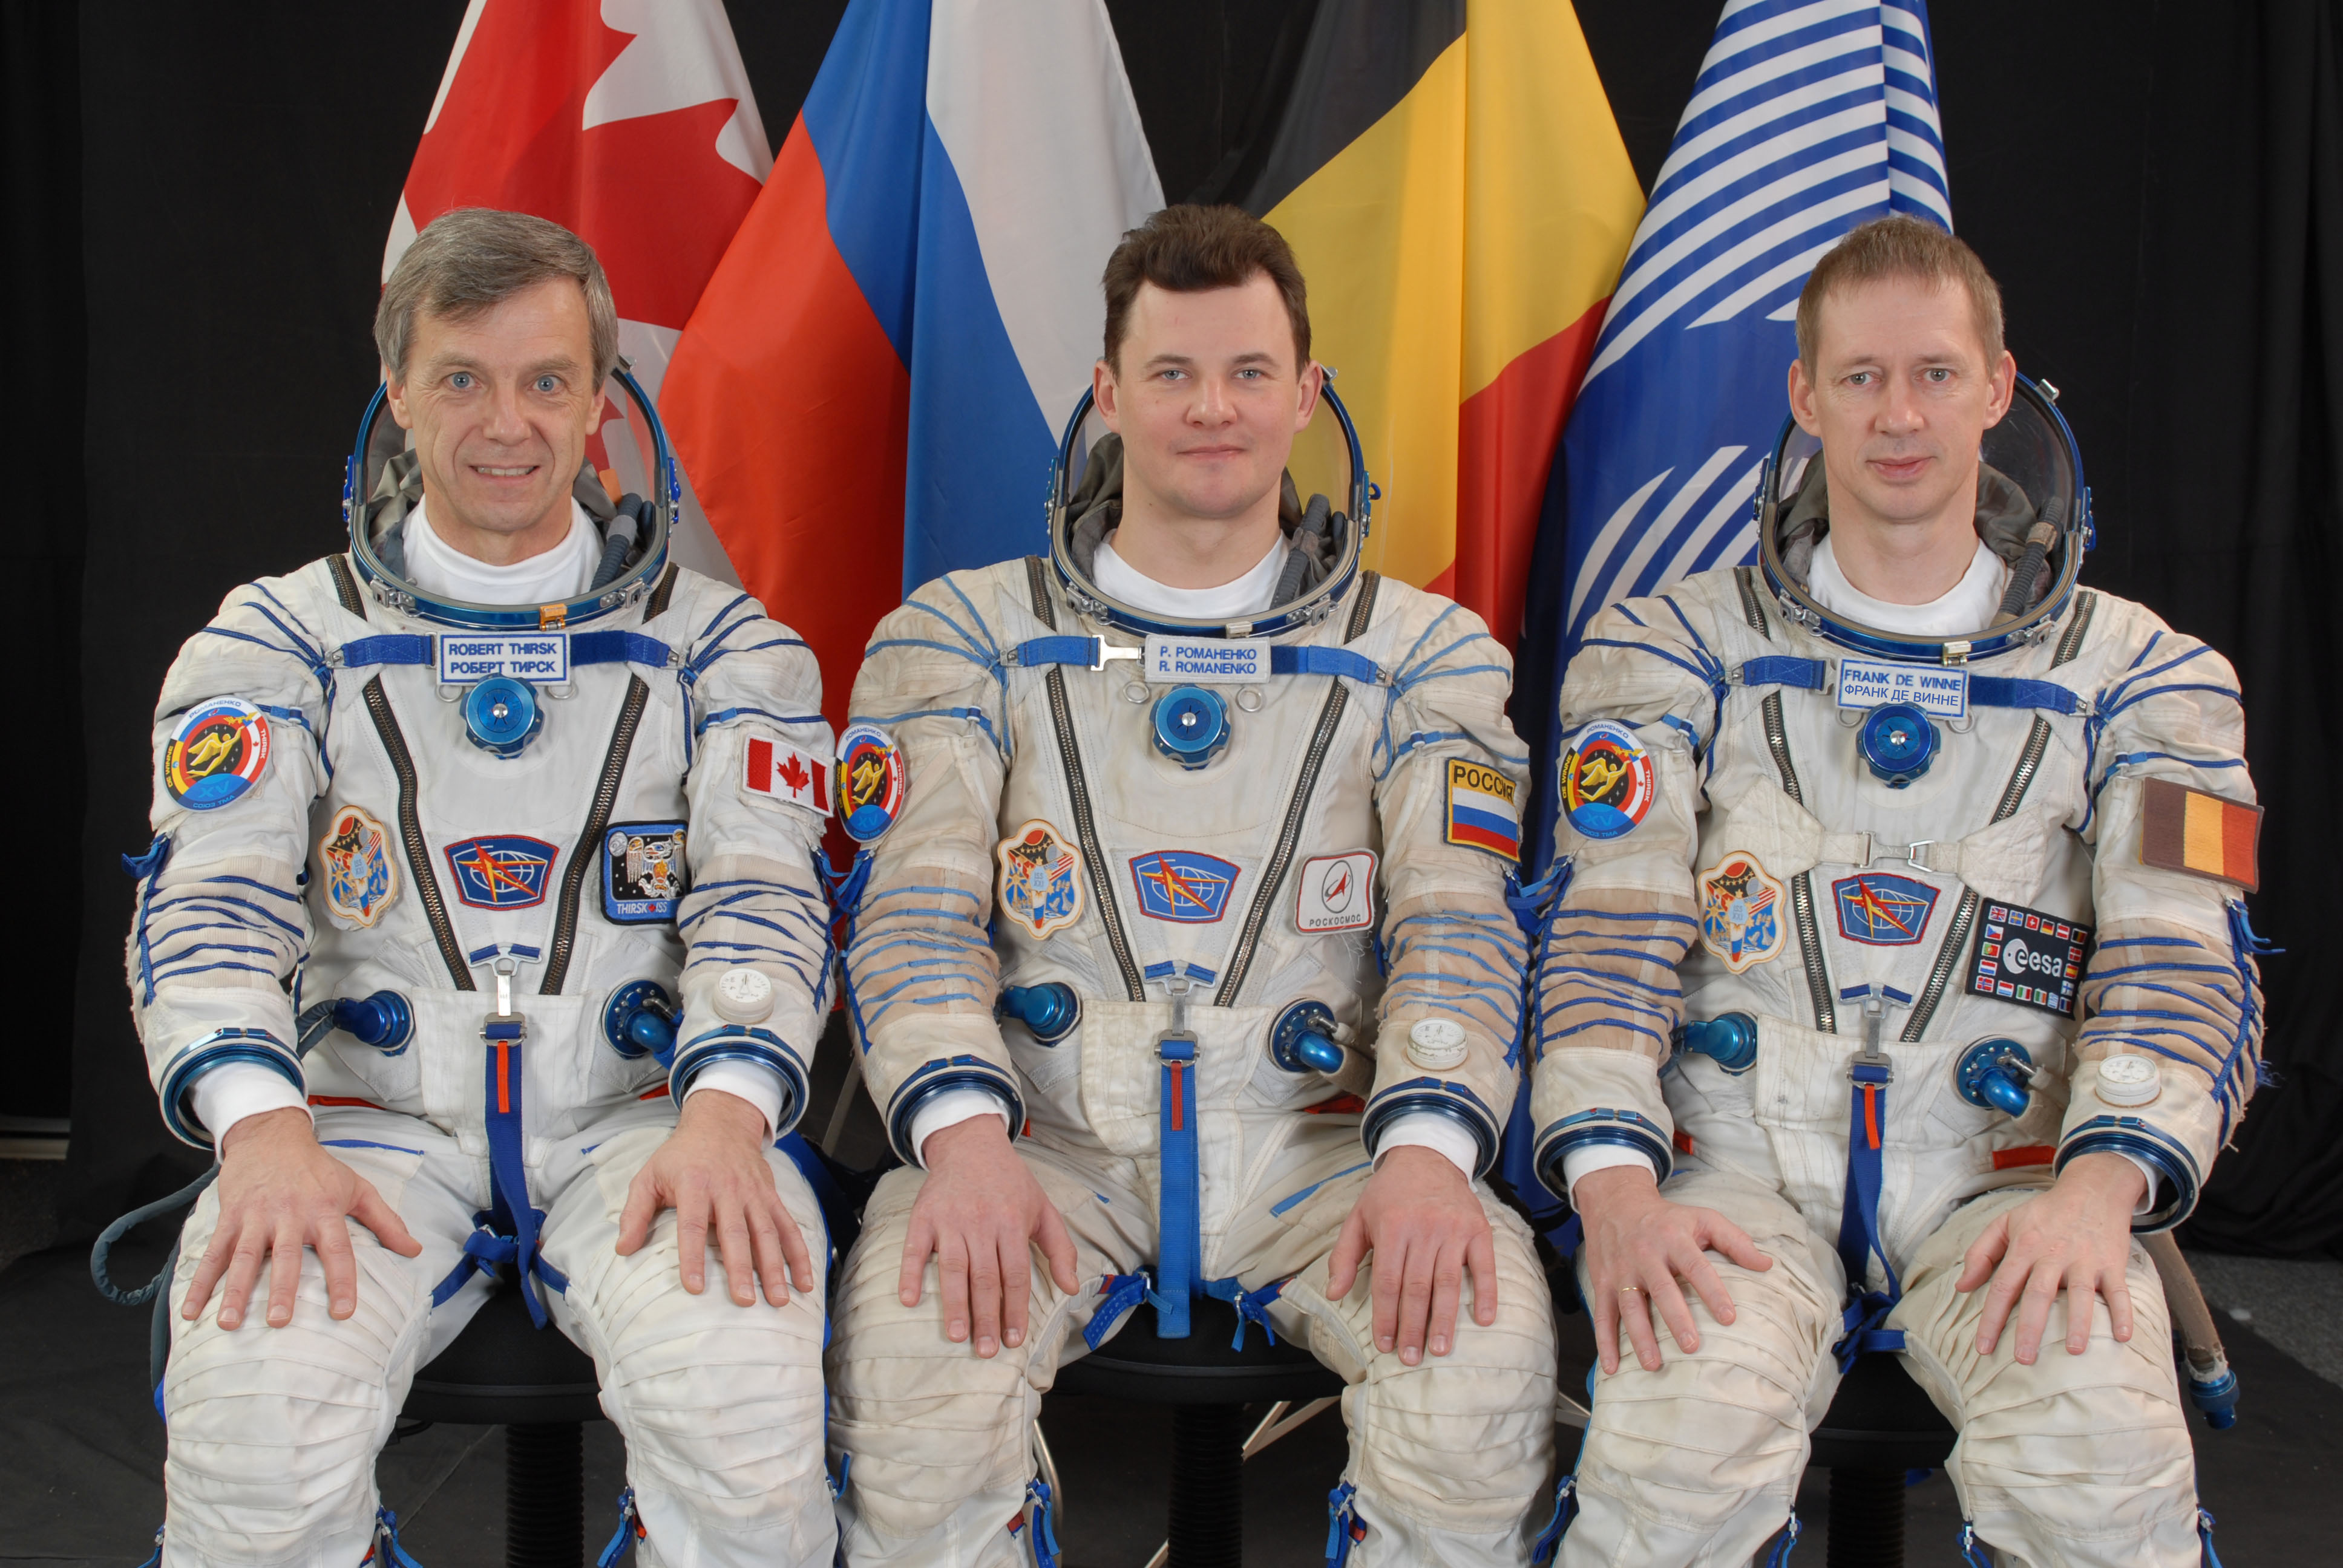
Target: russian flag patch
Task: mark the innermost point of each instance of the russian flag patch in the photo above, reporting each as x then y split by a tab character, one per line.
1482	810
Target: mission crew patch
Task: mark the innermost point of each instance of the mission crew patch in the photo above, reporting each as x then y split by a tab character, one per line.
215	754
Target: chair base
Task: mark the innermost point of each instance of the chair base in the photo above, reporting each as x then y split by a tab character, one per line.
545	1496
1207	1486
1866	1517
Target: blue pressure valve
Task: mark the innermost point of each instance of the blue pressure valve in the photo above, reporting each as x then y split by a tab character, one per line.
1049	1009
383	1020
638	1020
502	716
1191	725
1729	1040
1996	1074
1304	1040
1897	741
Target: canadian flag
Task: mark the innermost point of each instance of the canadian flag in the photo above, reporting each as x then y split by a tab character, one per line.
629	123
786	773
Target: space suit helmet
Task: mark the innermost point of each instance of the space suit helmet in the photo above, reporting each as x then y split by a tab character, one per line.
627	485
2034	512
1085	495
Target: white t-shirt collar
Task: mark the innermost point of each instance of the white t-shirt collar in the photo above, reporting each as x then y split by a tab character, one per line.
563	572
1969	606
1249	595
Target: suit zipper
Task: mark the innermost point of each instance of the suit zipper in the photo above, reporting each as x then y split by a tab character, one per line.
1802	886
411	833
590	837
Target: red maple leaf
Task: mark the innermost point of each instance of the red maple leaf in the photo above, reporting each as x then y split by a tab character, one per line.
649	193
793	774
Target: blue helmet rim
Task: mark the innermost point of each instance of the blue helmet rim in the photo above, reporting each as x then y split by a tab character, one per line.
1304	611
1796	603
668	496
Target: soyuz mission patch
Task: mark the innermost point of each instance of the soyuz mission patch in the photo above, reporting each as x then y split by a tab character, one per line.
871	780
359	874
1606	781
215	754
1041	879
643	875
2029	957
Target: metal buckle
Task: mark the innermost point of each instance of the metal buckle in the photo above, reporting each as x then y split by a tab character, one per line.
1103	653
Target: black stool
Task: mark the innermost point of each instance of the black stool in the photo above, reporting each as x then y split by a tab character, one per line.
1208	1385
504	1370
1880	1426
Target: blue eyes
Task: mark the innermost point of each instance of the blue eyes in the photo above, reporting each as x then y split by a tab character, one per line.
464	381
461	381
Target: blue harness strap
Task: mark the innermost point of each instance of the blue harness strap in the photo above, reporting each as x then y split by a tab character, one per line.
1090	653
2004	691
509	1227
390	648
1778	670
1858	1222
1180	1246
1253	1306
631	1529
1344	1528
618	647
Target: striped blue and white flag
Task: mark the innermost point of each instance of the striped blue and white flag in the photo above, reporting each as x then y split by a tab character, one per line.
1809	118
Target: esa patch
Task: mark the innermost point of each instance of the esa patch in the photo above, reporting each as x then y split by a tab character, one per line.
1740	912
643	875
1882	910
2200	832
215	754
502	870
1607	780
771	771
1335	893
2029	957
871	780
1183	886
1482	809
1041	879
358	873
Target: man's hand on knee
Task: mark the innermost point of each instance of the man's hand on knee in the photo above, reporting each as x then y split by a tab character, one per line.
279	1191
2075	1236
1420	1217
981	1212
711	1171
1641	1250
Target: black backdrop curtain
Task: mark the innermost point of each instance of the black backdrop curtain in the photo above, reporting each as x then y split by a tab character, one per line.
2159	187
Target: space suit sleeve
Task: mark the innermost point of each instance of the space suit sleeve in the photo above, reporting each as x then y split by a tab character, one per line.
920	973
1450	782
756	901
2172	979
239	754
1643	693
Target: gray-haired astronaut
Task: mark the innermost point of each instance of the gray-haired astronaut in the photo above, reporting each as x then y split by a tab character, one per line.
483	847
1906	953
1226	837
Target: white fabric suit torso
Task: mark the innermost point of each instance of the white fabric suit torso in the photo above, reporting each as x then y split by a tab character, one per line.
1848	886
1196	878
379	850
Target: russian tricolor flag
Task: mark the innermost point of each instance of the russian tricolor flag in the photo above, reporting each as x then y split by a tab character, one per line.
869	391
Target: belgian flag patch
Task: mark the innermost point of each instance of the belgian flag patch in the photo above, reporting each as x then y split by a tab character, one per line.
2204	834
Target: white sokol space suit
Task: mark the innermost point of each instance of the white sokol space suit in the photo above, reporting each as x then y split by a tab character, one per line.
1326	899
481	930
1837	896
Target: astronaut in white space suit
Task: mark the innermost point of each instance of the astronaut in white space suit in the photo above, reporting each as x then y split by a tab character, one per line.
1182	955
1904	972
480	849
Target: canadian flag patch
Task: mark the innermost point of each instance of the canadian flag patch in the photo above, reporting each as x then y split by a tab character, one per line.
785	773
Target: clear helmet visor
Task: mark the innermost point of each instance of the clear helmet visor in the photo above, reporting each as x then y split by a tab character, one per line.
2031	474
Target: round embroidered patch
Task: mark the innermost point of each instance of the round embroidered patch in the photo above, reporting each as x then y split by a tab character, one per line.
872	781
1607	780
361	874
1041	879
1740	912
215	754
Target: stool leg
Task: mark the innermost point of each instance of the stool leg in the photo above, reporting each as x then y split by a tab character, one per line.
545	1501
1866	1518
1207	1486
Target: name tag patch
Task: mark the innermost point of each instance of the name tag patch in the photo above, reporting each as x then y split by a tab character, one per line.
539	657
771	771
643	876
1481	811
1932	688
2029	958
1207	661
1336	893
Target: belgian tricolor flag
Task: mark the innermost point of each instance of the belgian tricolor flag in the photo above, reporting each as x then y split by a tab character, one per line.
1456	188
